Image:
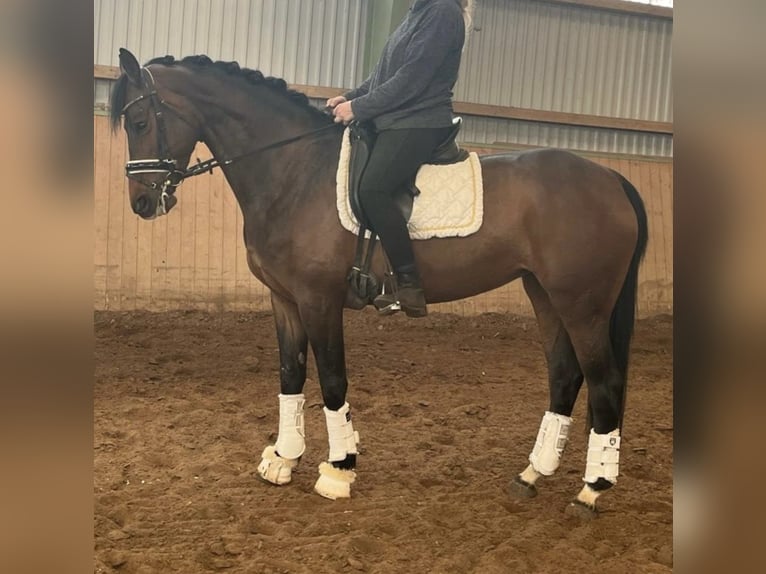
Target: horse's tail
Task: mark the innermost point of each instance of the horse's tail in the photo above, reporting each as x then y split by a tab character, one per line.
623	314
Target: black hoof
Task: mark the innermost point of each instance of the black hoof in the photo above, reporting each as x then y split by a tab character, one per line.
582	511
521	488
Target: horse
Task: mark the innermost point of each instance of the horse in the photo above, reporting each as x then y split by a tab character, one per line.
573	231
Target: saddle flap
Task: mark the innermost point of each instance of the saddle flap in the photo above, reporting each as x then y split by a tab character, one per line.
362	140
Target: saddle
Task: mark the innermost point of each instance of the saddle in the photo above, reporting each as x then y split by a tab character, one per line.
363	285
362	141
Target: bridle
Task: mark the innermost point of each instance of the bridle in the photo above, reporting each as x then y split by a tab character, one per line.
165	164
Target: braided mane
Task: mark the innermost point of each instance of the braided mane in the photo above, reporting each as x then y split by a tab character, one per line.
254	77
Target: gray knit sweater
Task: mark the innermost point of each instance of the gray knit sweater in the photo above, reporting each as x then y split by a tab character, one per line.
411	85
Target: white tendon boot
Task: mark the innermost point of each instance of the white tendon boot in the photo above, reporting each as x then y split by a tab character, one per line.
336	482
603	462
549	446
278	461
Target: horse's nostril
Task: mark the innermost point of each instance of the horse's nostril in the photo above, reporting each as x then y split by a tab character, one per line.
141	206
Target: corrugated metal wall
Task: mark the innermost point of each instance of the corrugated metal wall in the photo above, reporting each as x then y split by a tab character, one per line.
525	53
311	42
564	58
483	130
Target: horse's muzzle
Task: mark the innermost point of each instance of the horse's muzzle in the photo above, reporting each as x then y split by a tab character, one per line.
144	207
148	208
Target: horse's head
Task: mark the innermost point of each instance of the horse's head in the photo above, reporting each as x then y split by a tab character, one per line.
160	143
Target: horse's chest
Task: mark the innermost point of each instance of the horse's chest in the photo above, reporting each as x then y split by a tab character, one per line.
256	264
260	267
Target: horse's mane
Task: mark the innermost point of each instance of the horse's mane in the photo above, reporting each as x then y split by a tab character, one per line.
255	77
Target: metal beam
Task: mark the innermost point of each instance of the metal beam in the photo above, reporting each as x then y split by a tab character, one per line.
621	6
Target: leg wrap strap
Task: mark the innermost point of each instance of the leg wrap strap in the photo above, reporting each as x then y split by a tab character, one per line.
340	431
603	456
291	442
551	440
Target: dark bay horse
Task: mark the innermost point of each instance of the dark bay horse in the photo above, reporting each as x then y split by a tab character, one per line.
573	231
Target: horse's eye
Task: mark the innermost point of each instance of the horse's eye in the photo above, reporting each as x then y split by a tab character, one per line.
140	126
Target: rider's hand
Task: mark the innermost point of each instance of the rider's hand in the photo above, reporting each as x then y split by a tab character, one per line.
343	113
332	102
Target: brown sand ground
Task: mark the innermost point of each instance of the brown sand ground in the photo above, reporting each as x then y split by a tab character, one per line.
447	408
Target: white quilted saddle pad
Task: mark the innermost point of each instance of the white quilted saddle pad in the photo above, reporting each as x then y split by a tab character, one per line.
450	203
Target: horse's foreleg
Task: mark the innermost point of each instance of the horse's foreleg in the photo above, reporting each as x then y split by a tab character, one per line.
564	378
279	460
324	324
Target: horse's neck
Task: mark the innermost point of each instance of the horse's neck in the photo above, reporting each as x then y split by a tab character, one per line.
239	124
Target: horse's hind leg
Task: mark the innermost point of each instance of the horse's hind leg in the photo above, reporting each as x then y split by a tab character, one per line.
279	460
606	388
564	378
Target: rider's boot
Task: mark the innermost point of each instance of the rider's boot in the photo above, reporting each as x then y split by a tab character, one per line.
407	294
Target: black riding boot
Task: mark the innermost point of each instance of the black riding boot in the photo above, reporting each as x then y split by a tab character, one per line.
408	295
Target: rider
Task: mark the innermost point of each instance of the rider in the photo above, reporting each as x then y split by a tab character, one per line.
408	99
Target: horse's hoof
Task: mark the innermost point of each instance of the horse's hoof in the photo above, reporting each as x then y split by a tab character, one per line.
581	510
334	483
521	488
274	469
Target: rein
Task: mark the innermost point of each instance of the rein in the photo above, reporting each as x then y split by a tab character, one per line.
210	164
166	165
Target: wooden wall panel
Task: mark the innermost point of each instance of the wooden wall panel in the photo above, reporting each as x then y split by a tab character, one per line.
196	258
101	143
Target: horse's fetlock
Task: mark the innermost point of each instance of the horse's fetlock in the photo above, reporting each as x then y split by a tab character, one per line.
551	439
291	441
601	485
603	461
348	463
342	437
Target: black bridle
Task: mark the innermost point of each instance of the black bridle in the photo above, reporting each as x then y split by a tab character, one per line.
165	164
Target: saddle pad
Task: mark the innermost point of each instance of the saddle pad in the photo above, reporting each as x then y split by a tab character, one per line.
450	203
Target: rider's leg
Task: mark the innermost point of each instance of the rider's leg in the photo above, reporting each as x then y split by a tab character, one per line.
393	163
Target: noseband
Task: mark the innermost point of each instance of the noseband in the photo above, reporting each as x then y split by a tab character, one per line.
165	164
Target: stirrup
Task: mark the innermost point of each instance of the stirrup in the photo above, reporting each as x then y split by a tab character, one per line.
386	302
388	308
363	286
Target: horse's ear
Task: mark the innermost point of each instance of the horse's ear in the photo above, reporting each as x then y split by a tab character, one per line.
130	67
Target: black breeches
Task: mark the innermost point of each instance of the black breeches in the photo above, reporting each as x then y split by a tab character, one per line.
394	161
